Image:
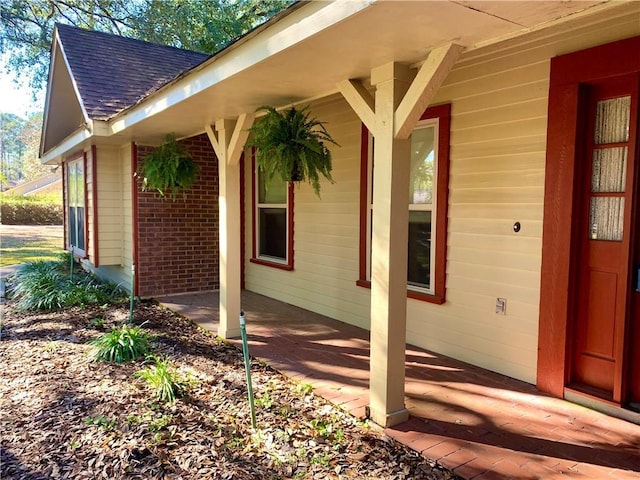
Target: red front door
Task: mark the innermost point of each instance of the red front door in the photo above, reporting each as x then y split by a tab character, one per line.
605	361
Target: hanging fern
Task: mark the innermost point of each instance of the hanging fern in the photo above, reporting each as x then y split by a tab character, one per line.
169	169
292	146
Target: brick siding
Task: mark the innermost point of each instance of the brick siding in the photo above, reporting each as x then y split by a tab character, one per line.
178	241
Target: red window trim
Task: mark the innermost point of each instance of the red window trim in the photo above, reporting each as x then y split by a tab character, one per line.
94	193
77	252
134	218
243	240
443	114
254	258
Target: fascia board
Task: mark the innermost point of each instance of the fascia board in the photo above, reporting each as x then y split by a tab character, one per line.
74	140
291	30
52	66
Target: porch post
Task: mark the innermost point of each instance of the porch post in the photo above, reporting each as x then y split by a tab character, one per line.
228	145
400	100
389	250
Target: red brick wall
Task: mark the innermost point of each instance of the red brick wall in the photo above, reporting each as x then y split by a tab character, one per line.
178	241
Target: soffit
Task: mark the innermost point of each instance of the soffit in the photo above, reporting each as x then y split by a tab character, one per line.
385	31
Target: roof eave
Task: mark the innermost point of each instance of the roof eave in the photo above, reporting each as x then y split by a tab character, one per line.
252	52
76	140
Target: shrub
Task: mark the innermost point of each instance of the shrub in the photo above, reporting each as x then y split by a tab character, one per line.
31	210
38	285
120	345
164	379
45	285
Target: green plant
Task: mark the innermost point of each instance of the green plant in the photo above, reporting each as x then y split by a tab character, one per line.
96	323
104	423
45	285
265	401
164	379
120	345
169	169
304	388
31	210
293	146
157	424
325	429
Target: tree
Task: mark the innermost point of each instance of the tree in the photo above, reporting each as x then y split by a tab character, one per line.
31	167
11	146
26	26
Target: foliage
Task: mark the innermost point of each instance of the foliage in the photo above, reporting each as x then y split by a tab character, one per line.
169	169
11	146
37	286
120	345
45	285
31	209
207	26
292	146
19	148
167	383
105	424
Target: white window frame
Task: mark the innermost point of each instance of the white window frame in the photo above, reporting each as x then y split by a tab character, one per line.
432	122
258	206
76	249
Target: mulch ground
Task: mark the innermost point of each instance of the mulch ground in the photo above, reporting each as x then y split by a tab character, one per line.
65	417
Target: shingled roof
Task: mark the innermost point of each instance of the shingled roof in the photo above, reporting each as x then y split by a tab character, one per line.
113	72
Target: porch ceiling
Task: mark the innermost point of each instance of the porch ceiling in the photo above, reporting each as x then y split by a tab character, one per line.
310	67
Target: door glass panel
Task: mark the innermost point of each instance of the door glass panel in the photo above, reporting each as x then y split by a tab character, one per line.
609	170
606	216
612	120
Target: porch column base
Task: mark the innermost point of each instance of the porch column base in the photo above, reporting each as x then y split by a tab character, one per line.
385	419
229	333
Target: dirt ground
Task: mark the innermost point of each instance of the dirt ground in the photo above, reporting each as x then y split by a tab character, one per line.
63	416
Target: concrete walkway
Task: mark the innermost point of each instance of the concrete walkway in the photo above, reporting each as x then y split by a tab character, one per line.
480	424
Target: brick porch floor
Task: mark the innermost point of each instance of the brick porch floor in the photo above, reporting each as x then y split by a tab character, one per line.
480	424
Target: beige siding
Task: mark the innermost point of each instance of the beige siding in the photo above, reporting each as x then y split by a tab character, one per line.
115	211
499	100
326	233
110	206
498	139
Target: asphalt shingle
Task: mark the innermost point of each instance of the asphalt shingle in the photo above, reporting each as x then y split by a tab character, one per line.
114	72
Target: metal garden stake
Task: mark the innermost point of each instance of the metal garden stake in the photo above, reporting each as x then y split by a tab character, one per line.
132	300
247	367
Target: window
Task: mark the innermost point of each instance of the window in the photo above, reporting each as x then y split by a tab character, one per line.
427	204
272	221
75	192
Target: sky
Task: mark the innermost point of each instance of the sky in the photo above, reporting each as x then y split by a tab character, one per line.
17	99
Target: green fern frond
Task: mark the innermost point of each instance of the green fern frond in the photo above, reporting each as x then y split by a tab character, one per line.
292	145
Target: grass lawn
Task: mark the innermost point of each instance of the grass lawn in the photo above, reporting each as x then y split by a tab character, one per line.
21	244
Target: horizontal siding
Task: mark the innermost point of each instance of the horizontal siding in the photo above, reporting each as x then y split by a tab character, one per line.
115	240
499	98
326	233
110	205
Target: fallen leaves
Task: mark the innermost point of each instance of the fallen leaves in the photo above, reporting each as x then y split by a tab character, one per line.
64	417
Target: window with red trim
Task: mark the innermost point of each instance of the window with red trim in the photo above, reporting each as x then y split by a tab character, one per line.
272	221
427	204
76	211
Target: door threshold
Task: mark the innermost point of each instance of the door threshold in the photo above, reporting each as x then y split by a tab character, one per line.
601	405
